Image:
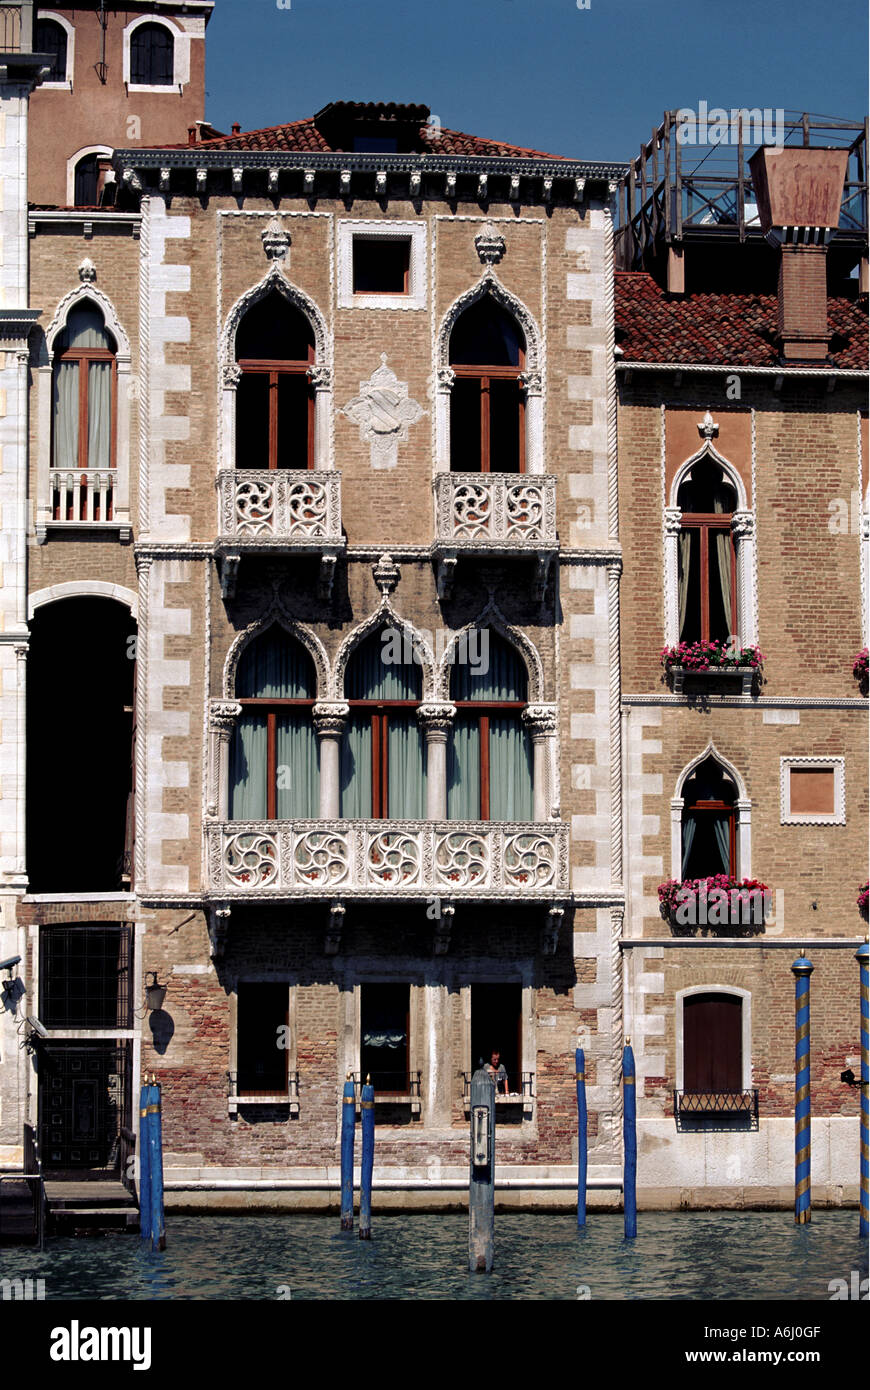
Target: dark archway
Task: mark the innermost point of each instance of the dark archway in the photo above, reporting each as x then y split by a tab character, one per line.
80	693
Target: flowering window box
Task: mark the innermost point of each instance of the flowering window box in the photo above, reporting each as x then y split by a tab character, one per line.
861	671
864	901
712	668
717	906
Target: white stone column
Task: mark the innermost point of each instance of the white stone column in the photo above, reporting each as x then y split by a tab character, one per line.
321	379
743	531
436	719
329	721
445	379
534	392
540	720
673	526
221	722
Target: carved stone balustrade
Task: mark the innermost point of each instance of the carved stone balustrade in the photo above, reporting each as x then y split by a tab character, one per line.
498	514
254	860
278	510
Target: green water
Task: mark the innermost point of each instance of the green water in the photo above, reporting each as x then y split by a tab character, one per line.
703	1256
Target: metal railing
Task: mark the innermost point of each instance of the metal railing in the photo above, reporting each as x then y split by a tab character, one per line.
32	1176
675	185
407	1086
277	1097
719	1103
16	26
526	1094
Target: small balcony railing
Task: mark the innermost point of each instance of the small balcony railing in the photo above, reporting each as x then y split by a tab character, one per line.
716	1105
276	507
288	1097
511	1102
503	511
393	1088
415	859
83	496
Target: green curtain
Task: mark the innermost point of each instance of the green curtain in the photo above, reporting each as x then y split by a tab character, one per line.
85	328
99	415
275	666
690	825
722	829
488	669
463	769
66	415
356	766
374	673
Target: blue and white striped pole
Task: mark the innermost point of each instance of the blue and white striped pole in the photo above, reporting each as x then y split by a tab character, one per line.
861	956
629	1140
580	1074
803	1206
348	1130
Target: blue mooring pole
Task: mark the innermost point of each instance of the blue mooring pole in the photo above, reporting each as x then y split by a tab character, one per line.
367	1106
803	1201
862	955
629	1141
348	1128
481	1179
144	1184
580	1074
158	1229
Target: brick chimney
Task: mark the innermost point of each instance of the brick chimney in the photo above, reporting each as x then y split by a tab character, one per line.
799	191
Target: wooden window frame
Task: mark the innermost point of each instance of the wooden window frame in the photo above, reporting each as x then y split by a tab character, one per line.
486	710
718	808
704	523
272	707
486	374
84	357
253	366
380	721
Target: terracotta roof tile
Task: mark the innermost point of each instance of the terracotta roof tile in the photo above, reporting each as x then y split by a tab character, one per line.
304	135
730	329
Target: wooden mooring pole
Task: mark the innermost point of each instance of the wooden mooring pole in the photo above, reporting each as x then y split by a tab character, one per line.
367	1106
861	955
348	1129
144	1183
629	1139
582	1155
158	1228
803	1202
481	1183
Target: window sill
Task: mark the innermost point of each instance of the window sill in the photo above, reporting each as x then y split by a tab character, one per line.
58	528
235	1103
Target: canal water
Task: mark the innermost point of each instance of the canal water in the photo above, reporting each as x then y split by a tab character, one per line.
705	1256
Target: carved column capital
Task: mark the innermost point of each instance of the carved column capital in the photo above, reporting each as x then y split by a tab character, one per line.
743	524
673	520
330	717
320	377
540	720
222	716
446	378
436	719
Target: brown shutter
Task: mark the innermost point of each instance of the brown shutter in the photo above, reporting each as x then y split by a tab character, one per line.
712	1043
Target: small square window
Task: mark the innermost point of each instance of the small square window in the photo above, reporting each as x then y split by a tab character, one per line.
381	265
812	791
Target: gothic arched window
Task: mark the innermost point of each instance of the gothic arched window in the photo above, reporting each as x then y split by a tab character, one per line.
274	398
707	558
709	825
84	386
487	404
383	754
489	755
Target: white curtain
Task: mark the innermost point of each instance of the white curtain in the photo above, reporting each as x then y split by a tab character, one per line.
66	415
99	415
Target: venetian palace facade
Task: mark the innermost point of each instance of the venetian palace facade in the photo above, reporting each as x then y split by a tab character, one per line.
315	541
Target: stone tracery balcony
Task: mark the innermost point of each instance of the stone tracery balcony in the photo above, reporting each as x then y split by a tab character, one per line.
255	860
278	510
497	514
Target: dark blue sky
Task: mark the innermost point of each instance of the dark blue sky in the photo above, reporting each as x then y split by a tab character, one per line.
541	73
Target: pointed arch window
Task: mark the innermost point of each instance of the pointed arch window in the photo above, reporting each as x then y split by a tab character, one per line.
709	822
273	755
274	398
707	557
383	754
489	753
487	405
84	390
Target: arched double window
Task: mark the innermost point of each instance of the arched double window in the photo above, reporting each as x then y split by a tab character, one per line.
709	829
274	398
383	754
273	755
707	558
487	405
489	755
152	56
84	407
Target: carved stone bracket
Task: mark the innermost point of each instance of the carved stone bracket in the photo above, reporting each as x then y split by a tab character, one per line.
551	929
443	926
276	240
332	940
229	571
218	919
445	573
326	577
